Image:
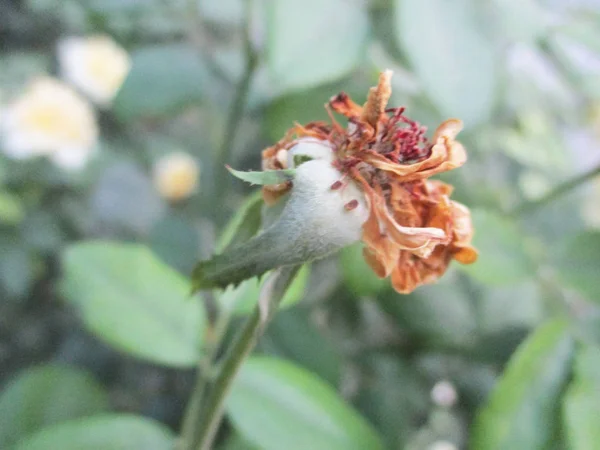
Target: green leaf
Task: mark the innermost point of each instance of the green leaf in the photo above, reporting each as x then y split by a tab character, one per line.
579	61
502	254
536	143
293	335
110	432
450	55
438	315
582	29
524	21
244	224
16	269
396	398
42	231
277	405
521	410
163	79
502	308
244	297
313	42
22	65
264	178
133	301
581	406
44	396
125	198
11	208
578	261
358	276
236	442
176	242
253	258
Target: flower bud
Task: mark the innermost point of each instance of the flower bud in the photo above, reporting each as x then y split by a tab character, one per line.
442	445
315	222
309	148
444	394
176	176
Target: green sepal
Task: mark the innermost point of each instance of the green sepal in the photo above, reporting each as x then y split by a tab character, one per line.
265	178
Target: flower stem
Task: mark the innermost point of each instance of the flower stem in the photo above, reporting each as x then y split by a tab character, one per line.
531	206
208	421
238	103
189	431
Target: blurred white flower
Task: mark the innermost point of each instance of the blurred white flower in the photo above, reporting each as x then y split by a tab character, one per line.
96	65
444	394
443	445
176	175
51	119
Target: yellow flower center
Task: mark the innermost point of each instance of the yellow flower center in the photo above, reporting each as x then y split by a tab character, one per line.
101	68
47	119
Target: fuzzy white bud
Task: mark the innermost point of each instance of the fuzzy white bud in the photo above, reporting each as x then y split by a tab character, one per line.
324	213
327	219
311	148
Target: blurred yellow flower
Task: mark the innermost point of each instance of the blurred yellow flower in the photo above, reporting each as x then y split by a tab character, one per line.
96	65
176	176
51	119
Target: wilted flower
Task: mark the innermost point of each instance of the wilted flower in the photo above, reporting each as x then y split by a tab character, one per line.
51	119
96	65
369	181
413	229
176	176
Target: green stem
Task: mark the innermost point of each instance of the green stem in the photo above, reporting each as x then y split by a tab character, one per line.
189	430
558	191
194	407
209	421
236	110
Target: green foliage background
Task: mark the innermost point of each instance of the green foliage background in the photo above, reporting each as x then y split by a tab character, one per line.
98	335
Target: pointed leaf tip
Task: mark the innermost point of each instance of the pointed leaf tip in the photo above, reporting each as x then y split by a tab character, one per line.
227	269
267	177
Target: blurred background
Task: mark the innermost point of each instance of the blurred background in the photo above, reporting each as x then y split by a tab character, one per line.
116	120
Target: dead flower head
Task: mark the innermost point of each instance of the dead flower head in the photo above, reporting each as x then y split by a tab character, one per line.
412	230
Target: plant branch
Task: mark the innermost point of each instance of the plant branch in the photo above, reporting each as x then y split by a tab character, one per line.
533	205
238	103
189	433
208	423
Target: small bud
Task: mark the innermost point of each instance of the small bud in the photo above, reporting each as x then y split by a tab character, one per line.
444	394
176	176
443	445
